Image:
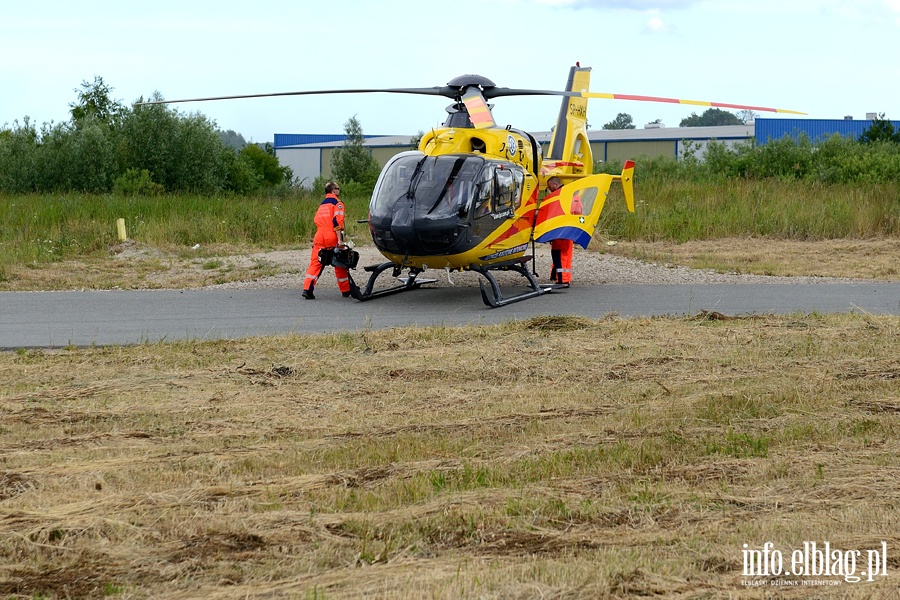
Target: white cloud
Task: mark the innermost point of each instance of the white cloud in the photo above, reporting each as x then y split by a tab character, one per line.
894	7
635	5
656	24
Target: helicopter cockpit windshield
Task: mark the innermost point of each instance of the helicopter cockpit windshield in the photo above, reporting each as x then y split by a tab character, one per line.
437	187
431	204
421	203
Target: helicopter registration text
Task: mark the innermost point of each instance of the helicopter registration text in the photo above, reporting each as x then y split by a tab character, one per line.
578	111
507	252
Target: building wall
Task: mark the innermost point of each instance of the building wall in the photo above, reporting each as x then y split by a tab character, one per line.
814	129
327	153
621	151
698	147
304	162
381	154
386	153
314	157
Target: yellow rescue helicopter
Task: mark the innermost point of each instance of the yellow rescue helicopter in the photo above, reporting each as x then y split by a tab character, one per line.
468	199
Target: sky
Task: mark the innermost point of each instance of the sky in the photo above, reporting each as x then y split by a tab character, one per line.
827	58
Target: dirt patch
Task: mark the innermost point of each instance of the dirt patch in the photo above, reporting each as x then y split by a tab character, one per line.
132	250
845	258
131	265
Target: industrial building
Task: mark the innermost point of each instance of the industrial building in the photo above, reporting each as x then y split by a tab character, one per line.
309	156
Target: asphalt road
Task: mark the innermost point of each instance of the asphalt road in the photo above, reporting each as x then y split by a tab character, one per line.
58	319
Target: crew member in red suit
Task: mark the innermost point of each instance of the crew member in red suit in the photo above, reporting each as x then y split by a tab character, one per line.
329	222
560	250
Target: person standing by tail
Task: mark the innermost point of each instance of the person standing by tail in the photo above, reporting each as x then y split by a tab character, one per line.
560	250
329	221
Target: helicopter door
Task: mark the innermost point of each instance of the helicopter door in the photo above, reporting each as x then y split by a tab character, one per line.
484	193
498	195
508	183
483	204
573	213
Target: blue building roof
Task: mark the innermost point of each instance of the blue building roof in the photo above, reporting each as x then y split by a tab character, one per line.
298	139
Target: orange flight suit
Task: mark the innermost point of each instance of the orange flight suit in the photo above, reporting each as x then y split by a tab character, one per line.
558	249
561	253
561	250
329	220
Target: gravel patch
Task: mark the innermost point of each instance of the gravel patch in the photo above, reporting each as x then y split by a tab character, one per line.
589	268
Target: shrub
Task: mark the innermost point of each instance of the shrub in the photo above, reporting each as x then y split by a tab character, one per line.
135	182
183	153
881	130
266	165
79	158
18	158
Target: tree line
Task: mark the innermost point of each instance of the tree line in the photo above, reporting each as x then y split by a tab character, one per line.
154	149
710	118
145	149
873	157
833	160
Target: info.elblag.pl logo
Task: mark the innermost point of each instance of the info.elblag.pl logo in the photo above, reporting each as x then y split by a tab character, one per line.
811	563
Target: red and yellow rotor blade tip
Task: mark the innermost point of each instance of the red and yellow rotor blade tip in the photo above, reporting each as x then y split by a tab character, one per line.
691	102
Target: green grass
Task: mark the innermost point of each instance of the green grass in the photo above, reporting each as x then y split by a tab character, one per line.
680	211
47	228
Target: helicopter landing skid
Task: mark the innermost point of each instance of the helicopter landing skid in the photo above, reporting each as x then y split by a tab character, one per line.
495	299
410	282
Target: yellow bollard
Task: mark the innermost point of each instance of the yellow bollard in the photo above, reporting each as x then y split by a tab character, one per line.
120	225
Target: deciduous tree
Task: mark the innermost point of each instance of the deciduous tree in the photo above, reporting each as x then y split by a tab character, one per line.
622	121
711	117
881	130
353	162
95	101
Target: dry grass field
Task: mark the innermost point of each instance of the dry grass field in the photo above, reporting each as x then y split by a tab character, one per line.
552	458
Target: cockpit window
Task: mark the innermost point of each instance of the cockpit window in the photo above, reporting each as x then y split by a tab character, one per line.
508	190
447	186
500	189
435	187
394	182
484	199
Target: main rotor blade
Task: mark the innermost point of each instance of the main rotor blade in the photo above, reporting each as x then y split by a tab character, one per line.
693	102
488	93
432	91
496	92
